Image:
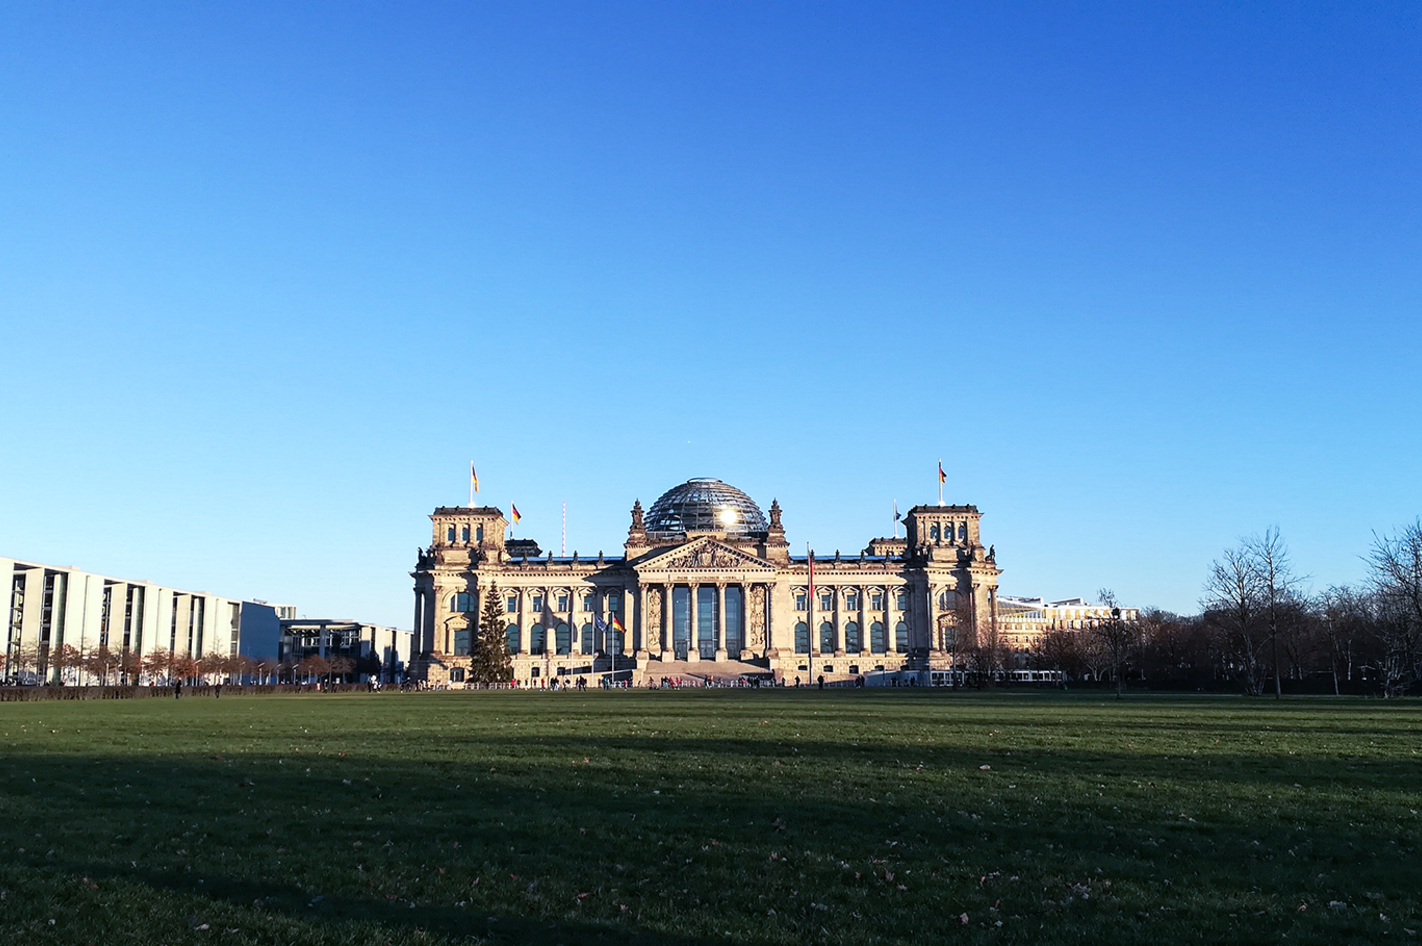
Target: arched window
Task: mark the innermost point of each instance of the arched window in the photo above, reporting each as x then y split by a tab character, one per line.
852	643
802	638
464	534
587	635
826	637
945	600
901	637
449	534
461	602
536	641
511	638
563	639
876	638
478	533
962	530
933	532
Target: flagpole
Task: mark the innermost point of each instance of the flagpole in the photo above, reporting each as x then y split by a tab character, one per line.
564	544
810	611
896	518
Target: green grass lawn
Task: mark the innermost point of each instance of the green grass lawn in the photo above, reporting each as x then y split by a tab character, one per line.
841	816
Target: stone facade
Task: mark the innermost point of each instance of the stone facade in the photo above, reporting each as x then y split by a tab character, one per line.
705	601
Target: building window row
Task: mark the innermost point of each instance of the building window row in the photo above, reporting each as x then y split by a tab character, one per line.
852	600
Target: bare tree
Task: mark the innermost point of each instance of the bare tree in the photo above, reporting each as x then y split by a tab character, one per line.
185	667
1397	582
1231	603
313	665
63	660
157	664
102	662
130	666
1277	590
1347	618
1059	649
340	666
1118	637
211	665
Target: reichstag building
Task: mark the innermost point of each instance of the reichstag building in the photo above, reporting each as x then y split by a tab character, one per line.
705	586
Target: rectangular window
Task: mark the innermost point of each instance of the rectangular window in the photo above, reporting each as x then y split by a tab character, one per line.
827	601
537	602
461	643
801	601
851	601
901	601
511	604
589	602
876	601
456	675
562	602
614	603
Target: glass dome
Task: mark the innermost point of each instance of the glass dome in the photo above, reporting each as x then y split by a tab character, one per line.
705	505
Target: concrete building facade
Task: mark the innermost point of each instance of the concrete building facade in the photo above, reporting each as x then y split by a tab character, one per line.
1023	621
53	606
705	584
376	652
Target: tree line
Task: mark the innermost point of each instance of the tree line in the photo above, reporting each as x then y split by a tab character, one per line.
102	666
1259	629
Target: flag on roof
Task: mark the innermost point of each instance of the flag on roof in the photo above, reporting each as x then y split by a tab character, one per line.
473	477
942	477
513	513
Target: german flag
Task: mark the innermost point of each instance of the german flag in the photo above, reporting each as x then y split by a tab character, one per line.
513	513
473	477
942	477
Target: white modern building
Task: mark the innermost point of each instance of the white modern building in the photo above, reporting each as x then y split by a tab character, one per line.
376	652
52	607
1023	621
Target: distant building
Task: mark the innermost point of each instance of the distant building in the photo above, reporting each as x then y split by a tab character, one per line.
52	606
1022	621
705	585
376	652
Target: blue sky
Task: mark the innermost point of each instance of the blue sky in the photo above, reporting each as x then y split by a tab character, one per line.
1145	276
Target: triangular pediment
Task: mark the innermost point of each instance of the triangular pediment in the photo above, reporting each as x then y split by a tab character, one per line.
704	555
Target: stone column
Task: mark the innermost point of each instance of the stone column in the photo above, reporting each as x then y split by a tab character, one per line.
720	630
419	624
632	615
693	645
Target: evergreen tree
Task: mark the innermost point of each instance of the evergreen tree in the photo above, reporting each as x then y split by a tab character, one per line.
490	662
